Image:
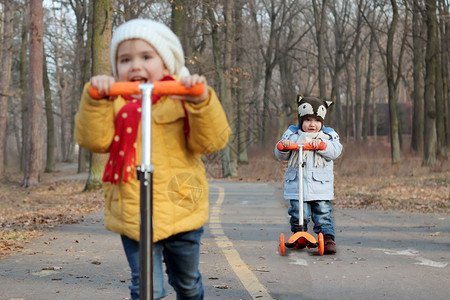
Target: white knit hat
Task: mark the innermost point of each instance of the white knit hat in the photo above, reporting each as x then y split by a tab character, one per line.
165	42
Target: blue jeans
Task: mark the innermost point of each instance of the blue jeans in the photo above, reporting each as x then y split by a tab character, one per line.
320	213
181	254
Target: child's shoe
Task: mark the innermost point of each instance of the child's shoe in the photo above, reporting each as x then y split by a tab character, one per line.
330	245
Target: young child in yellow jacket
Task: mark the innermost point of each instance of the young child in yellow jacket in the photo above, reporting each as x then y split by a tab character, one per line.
182	130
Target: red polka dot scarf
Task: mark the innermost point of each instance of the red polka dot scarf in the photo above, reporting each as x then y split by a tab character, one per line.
122	156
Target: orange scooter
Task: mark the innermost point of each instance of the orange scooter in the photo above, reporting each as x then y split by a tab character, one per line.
301	239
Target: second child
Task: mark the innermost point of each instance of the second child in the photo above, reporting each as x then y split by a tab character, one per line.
318	178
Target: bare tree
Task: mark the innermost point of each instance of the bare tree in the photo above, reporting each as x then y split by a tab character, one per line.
440	90
82	64
222	52
239	83
23	75
444	9
392	76
274	46
320	21
418	50
368	89
345	41
5	74
34	158
430	137
62	84
101	40
50	165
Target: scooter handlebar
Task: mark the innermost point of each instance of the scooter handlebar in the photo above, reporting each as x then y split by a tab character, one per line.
159	88
306	146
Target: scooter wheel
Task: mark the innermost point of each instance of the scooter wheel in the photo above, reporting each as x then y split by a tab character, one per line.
321	244
282	244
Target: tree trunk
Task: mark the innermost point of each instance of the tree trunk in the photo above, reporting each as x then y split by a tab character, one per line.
178	18
418	50
83	154
367	92
358	95
392	91
430	137
439	94
336	90
61	83
374	119
240	91
446	75
5	75
228	104
220	73
348	102
320	20
50	163
34	158
101	41
24	68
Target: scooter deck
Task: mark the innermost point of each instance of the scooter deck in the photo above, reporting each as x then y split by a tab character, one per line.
301	240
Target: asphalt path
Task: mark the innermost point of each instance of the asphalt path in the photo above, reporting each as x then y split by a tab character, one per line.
381	255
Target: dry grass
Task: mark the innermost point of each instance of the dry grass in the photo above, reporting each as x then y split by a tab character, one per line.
28	213
365	178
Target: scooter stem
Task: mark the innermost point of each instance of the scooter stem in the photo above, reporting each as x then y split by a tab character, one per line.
146	91
300	186
146	206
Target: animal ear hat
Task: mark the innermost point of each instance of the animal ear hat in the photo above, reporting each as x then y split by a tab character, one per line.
312	107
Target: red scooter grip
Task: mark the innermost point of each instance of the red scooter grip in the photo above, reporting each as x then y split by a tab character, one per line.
306	146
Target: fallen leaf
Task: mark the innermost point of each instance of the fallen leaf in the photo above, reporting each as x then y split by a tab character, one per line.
53	268
222	287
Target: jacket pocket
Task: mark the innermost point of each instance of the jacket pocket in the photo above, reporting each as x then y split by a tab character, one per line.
322	177
291	182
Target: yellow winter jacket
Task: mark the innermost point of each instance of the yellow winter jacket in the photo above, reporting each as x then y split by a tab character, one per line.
180	188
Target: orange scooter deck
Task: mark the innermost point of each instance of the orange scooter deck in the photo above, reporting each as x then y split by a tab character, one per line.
300	240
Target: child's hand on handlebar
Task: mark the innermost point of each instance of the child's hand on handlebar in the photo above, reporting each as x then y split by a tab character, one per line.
103	83
315	143
286	143
190	81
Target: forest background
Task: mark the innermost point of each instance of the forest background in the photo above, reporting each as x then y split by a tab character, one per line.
384	64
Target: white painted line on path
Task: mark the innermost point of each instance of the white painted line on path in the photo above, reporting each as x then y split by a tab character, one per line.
416	255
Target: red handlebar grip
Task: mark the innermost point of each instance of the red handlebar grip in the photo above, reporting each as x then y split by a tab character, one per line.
306	146
176	88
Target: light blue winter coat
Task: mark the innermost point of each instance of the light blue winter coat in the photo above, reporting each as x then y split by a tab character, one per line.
318	182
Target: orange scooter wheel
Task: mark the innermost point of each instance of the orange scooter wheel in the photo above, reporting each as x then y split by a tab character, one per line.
282	244
321	244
